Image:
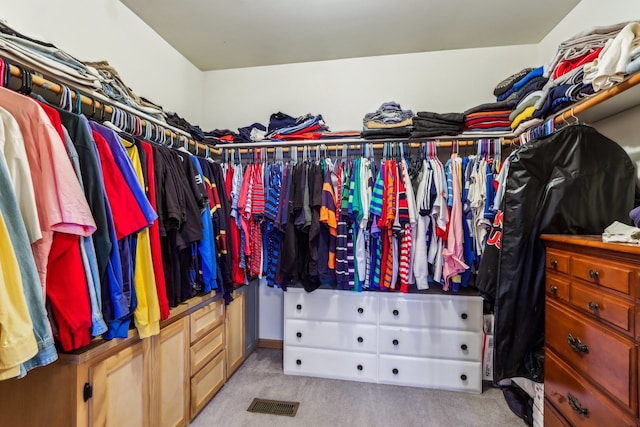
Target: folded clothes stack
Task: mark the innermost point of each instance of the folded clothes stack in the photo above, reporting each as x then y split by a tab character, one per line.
252	133
490	117
525	91
114	87
176	121
388	121
428	124
220	135
284	127
586	63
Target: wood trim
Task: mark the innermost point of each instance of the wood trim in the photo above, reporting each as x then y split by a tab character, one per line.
265	343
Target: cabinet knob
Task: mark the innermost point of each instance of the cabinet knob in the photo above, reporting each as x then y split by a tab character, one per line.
577	406
299	307
464	347
360	368
594	274
553	289
299	334
396	312
577	345
464	316
593	306
360	339
396	342
298	362
553	263
360	310
463	377
395	371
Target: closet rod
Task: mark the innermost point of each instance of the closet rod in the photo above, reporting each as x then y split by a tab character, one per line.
442	141
89	101
375	146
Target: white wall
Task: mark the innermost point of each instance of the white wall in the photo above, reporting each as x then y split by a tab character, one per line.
344	90
107	30
271	318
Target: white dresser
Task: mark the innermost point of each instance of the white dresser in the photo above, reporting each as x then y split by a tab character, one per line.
420	340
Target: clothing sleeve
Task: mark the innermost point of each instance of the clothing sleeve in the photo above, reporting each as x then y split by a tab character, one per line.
17	340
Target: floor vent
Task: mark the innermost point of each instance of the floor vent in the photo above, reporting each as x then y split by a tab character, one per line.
274	407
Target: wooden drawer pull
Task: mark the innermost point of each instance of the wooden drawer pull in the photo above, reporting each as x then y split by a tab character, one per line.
576	406
593	306
594	274
553	263
553	289
577	345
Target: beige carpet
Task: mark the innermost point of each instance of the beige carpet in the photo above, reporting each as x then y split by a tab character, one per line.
334	403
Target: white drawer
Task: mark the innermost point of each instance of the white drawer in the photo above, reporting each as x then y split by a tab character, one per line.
330	364
436	311
438	343
331	305
431	373
331	335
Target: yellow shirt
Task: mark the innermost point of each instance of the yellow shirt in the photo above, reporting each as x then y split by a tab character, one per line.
147	314
17	341
527	113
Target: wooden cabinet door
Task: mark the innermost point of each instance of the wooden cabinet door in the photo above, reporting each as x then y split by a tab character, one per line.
173	374
235	334
121	388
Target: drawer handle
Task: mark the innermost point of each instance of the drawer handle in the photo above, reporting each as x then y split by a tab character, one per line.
464	316
360	339
299	307
553	263
396	312
360	368
577	345
395	371
594	274
299	334
593	306
553	289
396	342
463	377
298	362
360	310
464	347
576	406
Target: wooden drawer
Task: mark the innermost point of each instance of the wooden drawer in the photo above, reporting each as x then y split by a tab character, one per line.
438	343
552	418
206	349
577	399
340	365
603	306
331	335
328	305
602	272
557	288
432	311
596	352
557	261
431	373
206	383
205	319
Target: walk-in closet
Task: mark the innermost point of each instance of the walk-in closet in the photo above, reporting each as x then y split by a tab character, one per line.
319	214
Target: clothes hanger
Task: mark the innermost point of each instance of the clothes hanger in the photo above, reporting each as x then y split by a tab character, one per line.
78	103
27	82
7	73
2	68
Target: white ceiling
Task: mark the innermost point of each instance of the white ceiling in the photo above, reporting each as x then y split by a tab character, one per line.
222	34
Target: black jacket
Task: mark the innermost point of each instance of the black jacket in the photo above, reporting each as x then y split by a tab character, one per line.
575	181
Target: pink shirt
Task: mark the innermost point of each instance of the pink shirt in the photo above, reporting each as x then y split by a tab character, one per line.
62	206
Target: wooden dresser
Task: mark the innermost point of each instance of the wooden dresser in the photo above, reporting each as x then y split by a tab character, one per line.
592	331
